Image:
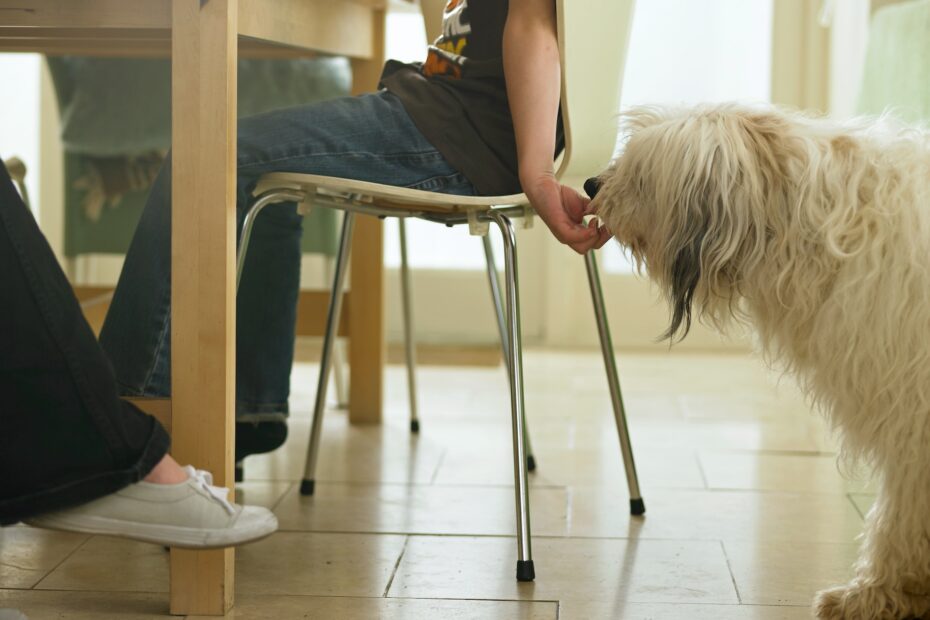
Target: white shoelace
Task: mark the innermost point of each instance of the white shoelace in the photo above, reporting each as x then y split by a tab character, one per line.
205	480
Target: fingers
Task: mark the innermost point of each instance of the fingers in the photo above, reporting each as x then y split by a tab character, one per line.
577	235
563	210
574	204
565	230
601	236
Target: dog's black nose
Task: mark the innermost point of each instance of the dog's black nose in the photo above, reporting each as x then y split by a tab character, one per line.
591	186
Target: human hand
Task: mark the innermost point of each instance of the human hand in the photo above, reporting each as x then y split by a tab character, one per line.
563	210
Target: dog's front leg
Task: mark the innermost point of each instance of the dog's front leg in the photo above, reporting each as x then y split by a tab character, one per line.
892	579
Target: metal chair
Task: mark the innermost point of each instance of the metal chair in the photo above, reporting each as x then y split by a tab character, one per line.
588	114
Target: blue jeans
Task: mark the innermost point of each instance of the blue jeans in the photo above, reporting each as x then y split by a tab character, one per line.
369	138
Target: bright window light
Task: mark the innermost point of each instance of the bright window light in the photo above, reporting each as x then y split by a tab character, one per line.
19	116
686	52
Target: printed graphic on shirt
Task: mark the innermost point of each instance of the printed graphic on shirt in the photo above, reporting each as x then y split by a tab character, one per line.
446	54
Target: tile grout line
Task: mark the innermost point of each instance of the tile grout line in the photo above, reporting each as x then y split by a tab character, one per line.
584	485
849	498
569	510
588	485
65	559
445	485
700	466
569	537
400	557
556	602
280	499
723	548
439	464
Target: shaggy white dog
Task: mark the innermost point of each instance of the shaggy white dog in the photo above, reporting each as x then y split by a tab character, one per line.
818	235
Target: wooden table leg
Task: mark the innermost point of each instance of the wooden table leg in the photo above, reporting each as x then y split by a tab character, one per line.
366	313
203	274
366	323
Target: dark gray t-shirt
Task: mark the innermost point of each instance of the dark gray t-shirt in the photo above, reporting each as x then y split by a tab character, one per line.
458	97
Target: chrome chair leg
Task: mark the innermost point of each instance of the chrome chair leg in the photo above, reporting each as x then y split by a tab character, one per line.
248	223
339	353
308	483
409	344
502	330
637	507
245	235
525	570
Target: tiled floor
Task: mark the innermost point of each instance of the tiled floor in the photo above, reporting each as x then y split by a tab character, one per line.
747	515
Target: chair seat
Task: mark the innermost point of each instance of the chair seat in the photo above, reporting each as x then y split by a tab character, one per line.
388	197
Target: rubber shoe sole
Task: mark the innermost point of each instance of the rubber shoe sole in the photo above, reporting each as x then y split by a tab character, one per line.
258	523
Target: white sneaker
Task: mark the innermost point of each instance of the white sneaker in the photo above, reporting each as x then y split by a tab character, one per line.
192	514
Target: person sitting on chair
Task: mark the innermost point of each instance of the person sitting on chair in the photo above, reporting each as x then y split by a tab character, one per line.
479	116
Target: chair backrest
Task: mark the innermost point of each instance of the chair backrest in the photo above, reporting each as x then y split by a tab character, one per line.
594	37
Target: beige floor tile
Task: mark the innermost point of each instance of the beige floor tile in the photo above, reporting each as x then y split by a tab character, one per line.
265	493
42	605
560	403
715	515
776	434
744	402
250	607
638	571
112	565
349	454
495	436
614	610
318	564
420	510
680	371
805	473
28	554
653	437
595	465
769	573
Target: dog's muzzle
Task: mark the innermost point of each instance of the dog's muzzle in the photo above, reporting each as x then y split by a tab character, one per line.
591	187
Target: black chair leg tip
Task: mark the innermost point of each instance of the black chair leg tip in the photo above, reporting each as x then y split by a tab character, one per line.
307	487
525	570
414	426
637	507
531	463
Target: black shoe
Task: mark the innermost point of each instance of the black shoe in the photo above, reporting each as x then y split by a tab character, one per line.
259	437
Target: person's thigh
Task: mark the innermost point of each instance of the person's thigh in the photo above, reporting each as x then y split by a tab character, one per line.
369	138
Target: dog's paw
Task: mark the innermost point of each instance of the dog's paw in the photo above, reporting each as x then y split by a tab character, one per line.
854	602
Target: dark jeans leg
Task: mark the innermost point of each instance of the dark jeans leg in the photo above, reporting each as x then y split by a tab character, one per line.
65	436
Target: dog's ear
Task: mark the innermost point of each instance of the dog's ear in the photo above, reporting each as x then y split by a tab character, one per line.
684	275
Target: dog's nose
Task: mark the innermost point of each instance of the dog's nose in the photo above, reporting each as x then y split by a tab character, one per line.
591	186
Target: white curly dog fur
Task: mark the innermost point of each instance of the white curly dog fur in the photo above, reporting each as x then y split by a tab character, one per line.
816	233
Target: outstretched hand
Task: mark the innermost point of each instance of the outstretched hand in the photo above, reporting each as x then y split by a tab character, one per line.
563	210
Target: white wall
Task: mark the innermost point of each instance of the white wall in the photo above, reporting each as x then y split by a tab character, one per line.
849	35
686	52
19	115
